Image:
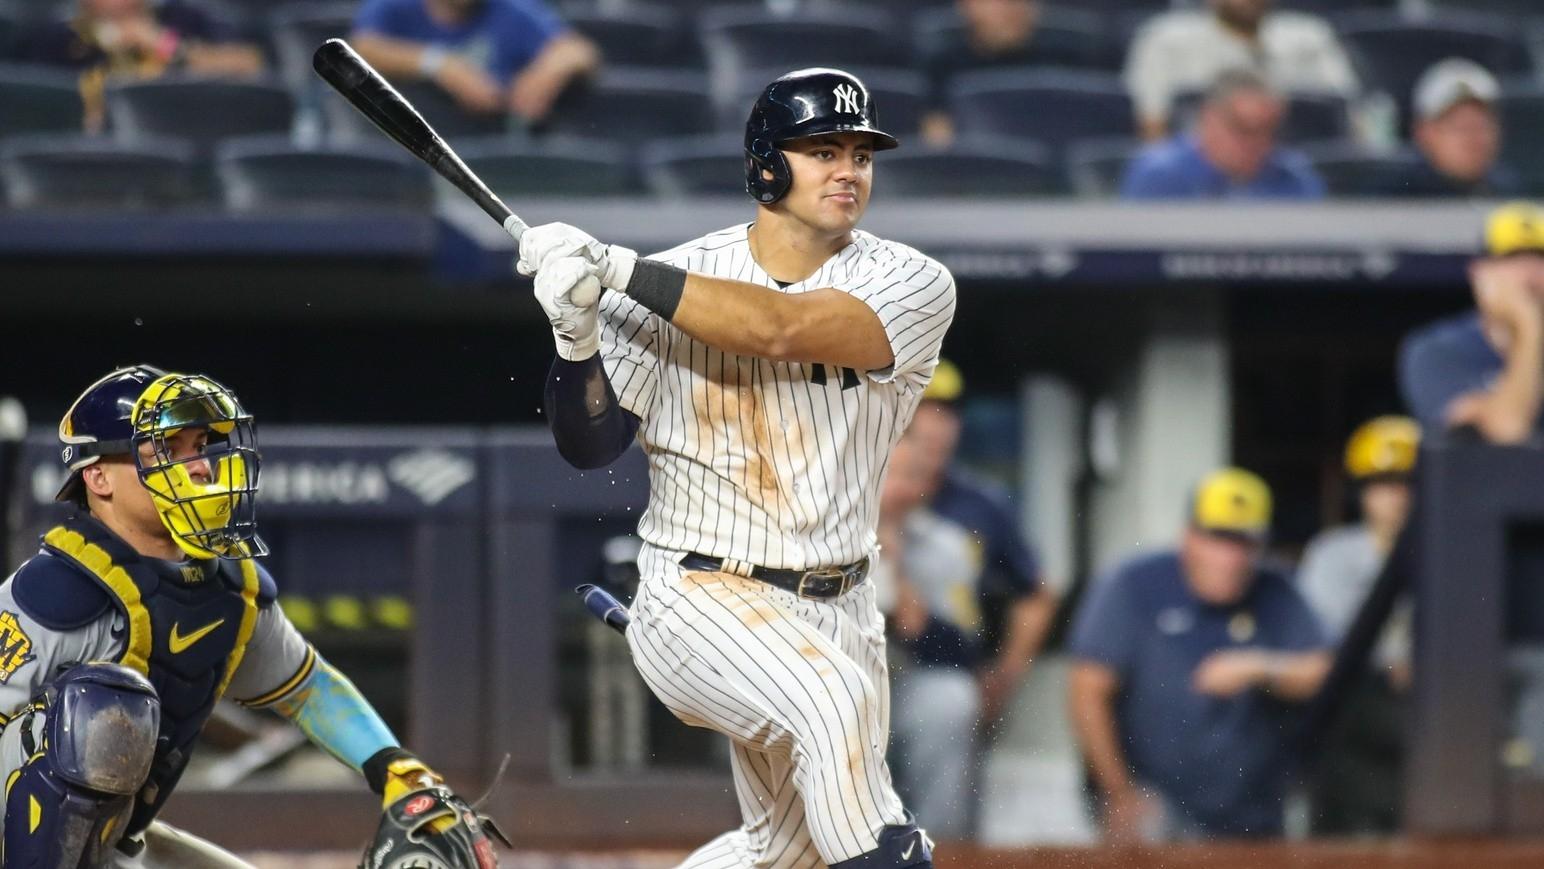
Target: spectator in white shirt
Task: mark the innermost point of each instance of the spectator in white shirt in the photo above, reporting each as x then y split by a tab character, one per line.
1183	51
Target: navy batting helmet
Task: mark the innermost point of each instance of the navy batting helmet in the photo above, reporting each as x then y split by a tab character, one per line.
806	102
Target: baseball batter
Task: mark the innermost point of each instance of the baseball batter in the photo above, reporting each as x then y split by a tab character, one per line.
767	369
137	615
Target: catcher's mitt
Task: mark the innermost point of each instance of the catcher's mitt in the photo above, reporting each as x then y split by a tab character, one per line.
406	839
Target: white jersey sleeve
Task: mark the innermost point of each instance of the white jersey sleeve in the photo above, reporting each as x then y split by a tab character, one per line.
914	297
629	342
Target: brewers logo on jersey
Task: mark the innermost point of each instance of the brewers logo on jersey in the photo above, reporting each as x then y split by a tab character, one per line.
15	646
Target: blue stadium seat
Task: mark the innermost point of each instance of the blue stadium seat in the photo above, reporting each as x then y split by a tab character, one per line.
1392	52
1515	10
1053	107
696	165
636	34
39	99
1350	170
9	26
629	105
95	173
1522	133
899	95
269	173
740	38
1095	167
1064	37
550	166
201	111
346	125
975	166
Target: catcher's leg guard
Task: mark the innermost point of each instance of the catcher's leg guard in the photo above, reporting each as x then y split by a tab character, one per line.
66	806
900	845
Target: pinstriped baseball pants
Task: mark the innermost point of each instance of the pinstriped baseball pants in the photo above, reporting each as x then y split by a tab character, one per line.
801	689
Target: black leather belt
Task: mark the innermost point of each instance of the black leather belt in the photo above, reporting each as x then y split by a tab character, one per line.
823	582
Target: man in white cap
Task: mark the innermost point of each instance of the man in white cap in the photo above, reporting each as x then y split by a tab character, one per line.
1457	133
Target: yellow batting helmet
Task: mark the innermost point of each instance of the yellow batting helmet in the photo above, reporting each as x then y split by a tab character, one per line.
1517	227
1383	447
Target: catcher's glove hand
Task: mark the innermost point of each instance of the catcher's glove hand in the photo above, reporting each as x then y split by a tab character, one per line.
409	838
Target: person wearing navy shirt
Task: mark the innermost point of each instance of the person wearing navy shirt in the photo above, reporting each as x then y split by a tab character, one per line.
1232	151
1483	370
490	56
953	562
1186	667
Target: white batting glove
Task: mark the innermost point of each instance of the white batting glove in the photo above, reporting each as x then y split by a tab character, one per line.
540	245
570	294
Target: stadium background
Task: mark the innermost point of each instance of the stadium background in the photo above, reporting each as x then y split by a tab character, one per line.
425	532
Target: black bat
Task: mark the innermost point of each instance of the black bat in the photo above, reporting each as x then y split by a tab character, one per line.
359	83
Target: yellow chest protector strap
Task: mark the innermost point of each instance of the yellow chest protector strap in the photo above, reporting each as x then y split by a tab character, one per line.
137	645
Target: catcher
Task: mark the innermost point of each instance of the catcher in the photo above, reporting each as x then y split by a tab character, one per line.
138	614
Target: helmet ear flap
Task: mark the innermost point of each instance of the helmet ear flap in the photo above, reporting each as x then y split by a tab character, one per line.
762	190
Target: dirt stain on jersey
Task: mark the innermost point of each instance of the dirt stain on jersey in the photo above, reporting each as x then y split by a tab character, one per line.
741	596
732	420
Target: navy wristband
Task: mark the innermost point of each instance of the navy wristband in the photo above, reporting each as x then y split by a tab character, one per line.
657	286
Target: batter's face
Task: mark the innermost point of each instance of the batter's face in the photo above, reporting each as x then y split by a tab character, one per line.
1218	568
832	175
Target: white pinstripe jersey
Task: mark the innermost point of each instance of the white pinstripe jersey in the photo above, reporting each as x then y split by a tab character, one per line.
774	463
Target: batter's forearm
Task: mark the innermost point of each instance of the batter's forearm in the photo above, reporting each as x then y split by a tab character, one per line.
589	426
824	325
336	717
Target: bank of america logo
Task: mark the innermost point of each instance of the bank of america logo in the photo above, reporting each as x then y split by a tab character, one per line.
432	475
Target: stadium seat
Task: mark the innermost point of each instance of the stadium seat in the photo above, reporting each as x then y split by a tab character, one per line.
267	173
551	166
346	125
1350	170
95	173
739	38
1095	167
37	99
295	31
1510	9
1311	117
972	167
630	105
899	95
696	165
1522	134
1051	106
1065	37
201	111
1392	53
636	34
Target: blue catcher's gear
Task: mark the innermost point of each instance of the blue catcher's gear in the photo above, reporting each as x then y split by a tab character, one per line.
67	805
806	102
208	501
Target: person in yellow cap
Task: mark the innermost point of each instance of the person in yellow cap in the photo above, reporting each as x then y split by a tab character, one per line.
1357	788
1483	370
952	560
1186	663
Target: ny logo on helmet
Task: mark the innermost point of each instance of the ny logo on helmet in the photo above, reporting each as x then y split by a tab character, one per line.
847	99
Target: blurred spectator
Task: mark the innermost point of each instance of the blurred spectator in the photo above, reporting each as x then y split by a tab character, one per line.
1231	153
136	39
1184	663
1357	787
997	34
1184	50
953	561
1458	135
491	56
1484	370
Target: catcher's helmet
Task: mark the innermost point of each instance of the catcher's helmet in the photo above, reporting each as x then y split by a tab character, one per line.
805	102
208	501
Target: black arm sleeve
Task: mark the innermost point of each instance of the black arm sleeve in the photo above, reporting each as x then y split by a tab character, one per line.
590	427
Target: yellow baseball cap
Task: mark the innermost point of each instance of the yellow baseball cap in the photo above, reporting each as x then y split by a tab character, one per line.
1383	447
1232	501
947	383
1517	227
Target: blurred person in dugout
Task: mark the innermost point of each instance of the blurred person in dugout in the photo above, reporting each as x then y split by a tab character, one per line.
1187	667
490	56
1356	788
954	568
136	39
1232	152
1457	135
998	34
1184	50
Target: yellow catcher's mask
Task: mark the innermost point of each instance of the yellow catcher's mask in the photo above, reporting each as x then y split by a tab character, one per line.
1383	447
207	498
